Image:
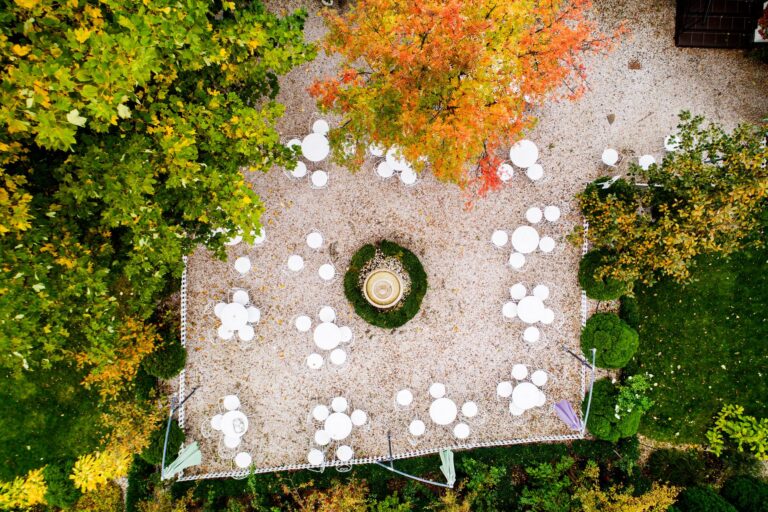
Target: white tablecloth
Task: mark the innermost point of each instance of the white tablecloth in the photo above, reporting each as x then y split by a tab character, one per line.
315	147
525	239
338	425
443	411
525	395
234	424
530	309
327	336
234	316
524	153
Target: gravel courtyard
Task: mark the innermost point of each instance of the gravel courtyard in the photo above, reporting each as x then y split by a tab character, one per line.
459	337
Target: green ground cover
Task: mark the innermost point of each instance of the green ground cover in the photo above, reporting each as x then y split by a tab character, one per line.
705	345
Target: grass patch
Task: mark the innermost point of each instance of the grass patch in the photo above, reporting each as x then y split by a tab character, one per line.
408	306
704	344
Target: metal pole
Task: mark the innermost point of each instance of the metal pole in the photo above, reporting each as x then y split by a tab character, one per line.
591	387
168	429
422	480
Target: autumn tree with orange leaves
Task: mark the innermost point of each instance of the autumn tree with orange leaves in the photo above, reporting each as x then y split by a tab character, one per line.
452	81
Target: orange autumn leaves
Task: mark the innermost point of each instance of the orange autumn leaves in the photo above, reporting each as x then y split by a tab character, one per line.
452	81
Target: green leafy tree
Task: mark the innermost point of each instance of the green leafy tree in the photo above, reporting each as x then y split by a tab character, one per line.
743	430
616	410
706	197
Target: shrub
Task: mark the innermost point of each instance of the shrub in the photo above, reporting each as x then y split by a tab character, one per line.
408	306
143	385
154	452
677	467
629	311
605	288
140	484
168	360
702	499
746	493
604	421
733	425
615	341
60	490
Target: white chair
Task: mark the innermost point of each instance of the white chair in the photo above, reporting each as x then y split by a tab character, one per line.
671	143
321	126
217	309
546	244
376	150
216	422
541	292
504	389
358	417
346	334
610	157
517	291
552	213
541	399
314	361
547	317
231	402
505	172
299	171
319	179
246	333
243	265
535	172
384	170
226	450
516	260
254	314
322	438
295	263
231	441
344	453
469	409
327	272
338	356
646	161
531	334
499	238
437	390
539	378
533	215
515	410
240	296
243	460
260	237
519	371
404	398
509	311
224	333
461	431
408	177
315	240
339	404
303	323
320	412
294	143
315	457
417	428
327	314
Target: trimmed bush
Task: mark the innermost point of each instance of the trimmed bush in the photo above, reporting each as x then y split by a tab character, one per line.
141	480
746	493
154	452
408	306
702	499
615	341
602	421
167	360
60	489
606	288
629	311
677	467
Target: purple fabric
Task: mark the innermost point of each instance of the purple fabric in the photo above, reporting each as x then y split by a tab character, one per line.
566	413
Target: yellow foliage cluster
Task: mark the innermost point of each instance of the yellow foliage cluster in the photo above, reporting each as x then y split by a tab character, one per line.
658	499
23	492
108	498
350	497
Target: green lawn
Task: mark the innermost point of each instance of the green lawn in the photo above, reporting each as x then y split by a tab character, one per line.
705	344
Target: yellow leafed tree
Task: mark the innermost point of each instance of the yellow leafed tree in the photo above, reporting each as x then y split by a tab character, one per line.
23	492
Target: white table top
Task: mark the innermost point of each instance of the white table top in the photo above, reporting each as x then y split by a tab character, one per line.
610	156
327	336
339	426
443	411
525	239
525	395
529	309
315	147
234	316
234	424
524	153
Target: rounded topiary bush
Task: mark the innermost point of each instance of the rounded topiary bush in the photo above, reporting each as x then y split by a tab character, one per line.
677	467
606	288
702	499
410	302
602	422
167	360
629	311
154	452
615	341
746	493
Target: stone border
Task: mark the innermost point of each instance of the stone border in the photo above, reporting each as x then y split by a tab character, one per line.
369	460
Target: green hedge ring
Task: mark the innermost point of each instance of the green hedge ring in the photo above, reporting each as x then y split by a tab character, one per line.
401	262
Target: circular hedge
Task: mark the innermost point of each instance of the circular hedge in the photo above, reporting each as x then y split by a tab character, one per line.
616	342
606	288
602	421
746	493
167	360
410	303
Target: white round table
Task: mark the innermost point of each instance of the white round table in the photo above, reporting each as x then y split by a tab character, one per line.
505	172
326	271
320	412
547	244
243	460
315	361
525	239
315	457
254	314
504	389
321	126
315	147
234	424
461	431
327	336
525	395
509	310
344	453
417	428
519	371
295	263
517	291
610	156
338	425
404	397
529	309
358	417
339	404
322	438
437	390
243	264
524	153
300	170
338	356
234	316
315	240
319	179
533	215
469	409
516	260
395	159
499	238
539	378
303	323
241	297
443	411
552	213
